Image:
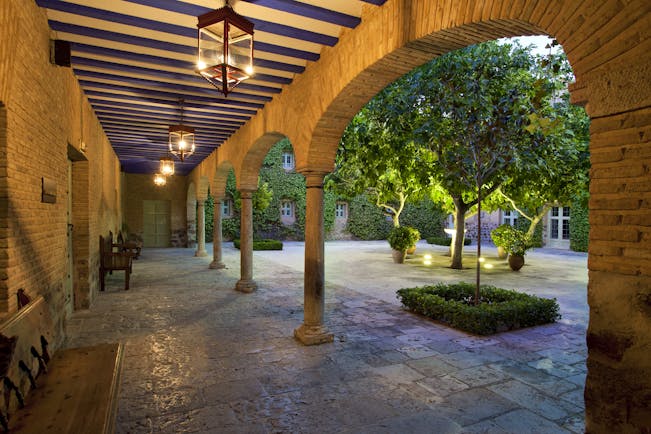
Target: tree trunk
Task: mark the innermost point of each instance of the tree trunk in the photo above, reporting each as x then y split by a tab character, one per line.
533	222
478	271
396	220
459	226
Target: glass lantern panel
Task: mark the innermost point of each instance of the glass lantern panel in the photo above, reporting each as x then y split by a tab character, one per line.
239	50
211	45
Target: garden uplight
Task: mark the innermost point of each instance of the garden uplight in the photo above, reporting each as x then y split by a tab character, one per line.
488	266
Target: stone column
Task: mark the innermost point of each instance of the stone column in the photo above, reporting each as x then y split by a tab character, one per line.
201	229
246	282
217	237
313	330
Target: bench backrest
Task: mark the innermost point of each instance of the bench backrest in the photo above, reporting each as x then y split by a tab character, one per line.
27	330
105	250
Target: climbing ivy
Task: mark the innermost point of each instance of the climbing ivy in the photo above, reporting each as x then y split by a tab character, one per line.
579	226
426	216
365	220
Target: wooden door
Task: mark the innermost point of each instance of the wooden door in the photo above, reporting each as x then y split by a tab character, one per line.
156	225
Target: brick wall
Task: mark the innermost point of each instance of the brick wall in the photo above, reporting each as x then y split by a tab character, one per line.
44	112
141	187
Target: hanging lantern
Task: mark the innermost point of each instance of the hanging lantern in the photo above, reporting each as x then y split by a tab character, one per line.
166	166
181	138
160	180
225	48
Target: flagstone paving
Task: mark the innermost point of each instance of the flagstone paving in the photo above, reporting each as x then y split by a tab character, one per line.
201	357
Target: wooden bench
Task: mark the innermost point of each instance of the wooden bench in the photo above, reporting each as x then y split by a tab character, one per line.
73	391
128	246
110	260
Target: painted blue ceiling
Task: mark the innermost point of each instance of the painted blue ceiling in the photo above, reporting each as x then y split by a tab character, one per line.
135	62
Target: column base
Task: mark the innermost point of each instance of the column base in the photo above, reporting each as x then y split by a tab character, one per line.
313	335
247	286
200	253
216	265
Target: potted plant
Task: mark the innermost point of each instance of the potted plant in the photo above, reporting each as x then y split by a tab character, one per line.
499	237
516	245
401	239
416	236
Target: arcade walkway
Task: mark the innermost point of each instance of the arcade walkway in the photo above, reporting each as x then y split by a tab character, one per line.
201	357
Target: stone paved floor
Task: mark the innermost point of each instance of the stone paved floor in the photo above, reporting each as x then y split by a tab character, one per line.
201	357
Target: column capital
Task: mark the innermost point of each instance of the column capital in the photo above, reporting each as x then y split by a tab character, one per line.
313	178
246	193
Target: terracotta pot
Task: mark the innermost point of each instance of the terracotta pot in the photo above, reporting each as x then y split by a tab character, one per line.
516	262
398	256
501	252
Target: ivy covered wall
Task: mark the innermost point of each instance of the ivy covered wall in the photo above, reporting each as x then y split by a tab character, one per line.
365	220
579	226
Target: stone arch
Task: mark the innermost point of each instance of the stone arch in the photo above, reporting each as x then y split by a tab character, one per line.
191	214
220	178
598	40
253	159
607	44
203	185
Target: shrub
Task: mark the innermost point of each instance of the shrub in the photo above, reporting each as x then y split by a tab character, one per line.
403	237
445	241
499	309
499	235
514	241
262	244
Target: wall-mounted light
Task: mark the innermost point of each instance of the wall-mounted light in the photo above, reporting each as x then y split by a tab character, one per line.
225	48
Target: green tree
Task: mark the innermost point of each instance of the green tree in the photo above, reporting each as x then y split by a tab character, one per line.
560	171
470	108
380	160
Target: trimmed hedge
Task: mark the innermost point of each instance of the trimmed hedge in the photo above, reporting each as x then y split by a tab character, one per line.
499	309
446	241
262	244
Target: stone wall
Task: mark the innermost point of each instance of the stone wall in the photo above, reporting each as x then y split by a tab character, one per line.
139	188
44	115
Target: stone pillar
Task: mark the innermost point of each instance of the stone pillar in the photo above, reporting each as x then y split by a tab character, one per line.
201	229
313	330
217	236
246	282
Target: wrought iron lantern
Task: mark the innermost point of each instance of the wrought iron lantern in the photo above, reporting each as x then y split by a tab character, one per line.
160	180
166	166
225	48
181	138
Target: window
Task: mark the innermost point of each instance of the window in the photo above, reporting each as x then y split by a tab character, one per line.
287	212
341	210
288	160
227	208
510	217
559	223
287	208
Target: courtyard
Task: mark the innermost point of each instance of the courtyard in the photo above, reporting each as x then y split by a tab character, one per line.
201	357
